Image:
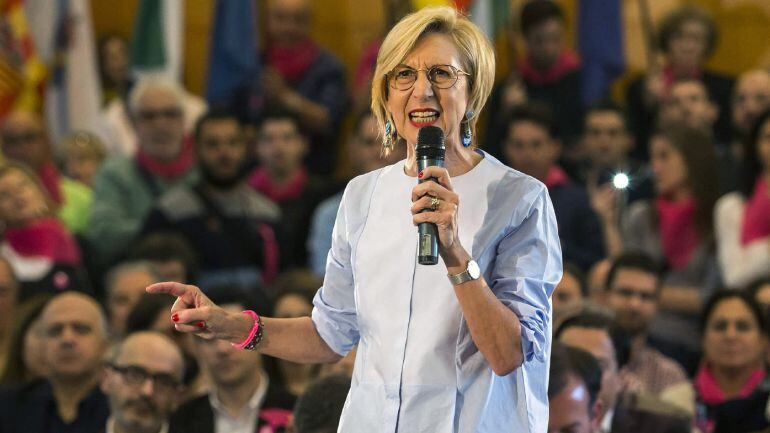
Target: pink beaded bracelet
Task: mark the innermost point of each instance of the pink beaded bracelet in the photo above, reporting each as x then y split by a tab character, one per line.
255	336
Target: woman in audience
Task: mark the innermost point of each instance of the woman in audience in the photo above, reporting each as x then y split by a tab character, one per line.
42	252
83	155
731	383
25	360
743	218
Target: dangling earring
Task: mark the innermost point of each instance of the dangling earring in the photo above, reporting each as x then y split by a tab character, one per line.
466	133
390	137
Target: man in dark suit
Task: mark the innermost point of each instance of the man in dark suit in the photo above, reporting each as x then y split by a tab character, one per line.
143	382
69	401
573	389
242	398
623	412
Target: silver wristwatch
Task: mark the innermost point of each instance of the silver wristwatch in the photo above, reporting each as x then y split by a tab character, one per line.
471	272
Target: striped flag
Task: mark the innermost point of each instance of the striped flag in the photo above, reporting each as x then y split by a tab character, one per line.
21	72
156	46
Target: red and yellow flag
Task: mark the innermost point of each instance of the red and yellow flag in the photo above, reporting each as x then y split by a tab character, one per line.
22	74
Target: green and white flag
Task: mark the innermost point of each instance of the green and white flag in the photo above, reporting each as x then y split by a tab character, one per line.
156	46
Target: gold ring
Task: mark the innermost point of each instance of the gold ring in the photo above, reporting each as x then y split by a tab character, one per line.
434	203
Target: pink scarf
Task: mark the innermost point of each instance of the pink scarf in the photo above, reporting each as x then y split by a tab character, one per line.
756	214
172	169
51	179
555	177
677	230
709	391
292	62
292	189
567	62
45	237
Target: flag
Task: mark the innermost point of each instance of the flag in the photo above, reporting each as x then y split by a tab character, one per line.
74	92
600	43
22	73
156	46
492	16
233	52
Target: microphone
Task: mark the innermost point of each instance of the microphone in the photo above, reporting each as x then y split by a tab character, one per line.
430	151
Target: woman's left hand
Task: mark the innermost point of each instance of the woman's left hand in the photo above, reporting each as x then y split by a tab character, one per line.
444	216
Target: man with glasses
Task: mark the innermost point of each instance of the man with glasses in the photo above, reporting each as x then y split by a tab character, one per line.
143	383
127	187
23	138
228	223
74	334
632	293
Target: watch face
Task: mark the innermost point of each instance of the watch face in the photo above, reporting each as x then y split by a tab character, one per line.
473	269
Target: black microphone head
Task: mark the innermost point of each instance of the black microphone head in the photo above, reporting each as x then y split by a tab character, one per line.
430	141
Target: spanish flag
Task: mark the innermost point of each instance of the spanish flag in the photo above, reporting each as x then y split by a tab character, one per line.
22	74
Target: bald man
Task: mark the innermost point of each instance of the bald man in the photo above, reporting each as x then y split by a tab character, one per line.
75	337
23	138
750	98
143	383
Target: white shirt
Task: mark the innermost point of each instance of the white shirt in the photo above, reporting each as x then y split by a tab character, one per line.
740	264
417	368
246	421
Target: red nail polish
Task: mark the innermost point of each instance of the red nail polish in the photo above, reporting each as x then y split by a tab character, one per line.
175	317
419	175
201	325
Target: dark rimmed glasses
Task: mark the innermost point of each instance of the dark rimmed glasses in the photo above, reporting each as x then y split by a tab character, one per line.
440	76
137	376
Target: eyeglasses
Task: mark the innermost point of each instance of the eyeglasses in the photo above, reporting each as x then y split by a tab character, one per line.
167	113
440	76
135	376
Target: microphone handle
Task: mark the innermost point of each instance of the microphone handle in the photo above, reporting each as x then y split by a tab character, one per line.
427	233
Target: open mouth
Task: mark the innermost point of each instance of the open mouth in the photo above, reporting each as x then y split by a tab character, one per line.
423	117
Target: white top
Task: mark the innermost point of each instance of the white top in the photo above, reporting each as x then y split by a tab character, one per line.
740	264
417	368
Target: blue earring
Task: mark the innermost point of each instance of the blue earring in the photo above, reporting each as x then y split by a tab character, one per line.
467	134
388	140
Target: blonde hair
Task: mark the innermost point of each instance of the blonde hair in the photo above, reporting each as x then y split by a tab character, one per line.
478	56
8	166
86	144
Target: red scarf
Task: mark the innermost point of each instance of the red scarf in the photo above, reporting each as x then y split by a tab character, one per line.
45	237
51	179
292	62
669	78
289	190
567	62
756	214
709	391
677	230
172	169
555	177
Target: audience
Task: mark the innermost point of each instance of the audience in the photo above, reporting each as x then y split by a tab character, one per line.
84	153
283	178
125	284
533	148
74	339
170	255
137	406
622	410
574	381
633	291
25	349
23	139
571	291
320	407
732	384
300	77
226	221
241	396
42	252
127	186
742	224
9	300
114	67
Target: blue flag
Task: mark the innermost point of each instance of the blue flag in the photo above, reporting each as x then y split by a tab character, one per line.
600	43
233	58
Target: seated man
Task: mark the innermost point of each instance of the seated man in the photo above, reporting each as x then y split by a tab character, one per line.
622	411
241	398
573	387
227	222
124	285
632	293
571	291
283	178
75	338
126	187
533	148
137	406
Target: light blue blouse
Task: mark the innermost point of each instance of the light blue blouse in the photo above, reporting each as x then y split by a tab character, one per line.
417	368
